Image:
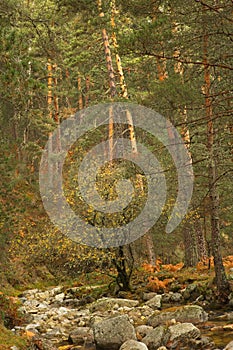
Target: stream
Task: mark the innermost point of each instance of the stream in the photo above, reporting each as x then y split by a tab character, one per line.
58	314
216	329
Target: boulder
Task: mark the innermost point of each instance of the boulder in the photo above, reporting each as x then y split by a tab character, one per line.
180	333
189	313
155	302
111	333
154	338
133	345
105	304
229	346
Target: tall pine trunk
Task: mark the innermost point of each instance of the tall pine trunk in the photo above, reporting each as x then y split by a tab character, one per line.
220	275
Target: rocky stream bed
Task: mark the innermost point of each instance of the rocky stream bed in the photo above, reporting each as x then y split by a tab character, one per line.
58	319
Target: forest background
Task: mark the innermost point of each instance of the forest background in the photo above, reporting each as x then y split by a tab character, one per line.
60	56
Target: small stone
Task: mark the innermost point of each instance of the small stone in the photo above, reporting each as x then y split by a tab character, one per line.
148	296
155	302
133	345
62	310
60	297
142	331
228	327
32	326
171	297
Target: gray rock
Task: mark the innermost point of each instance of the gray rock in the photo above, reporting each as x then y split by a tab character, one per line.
229	346
60	297
155	302
133	345
55	291
31	303
105	304
171	297
154	338
143	330
189	290
176	297
179	333
189	313
43	295
42	306
32	326
74	303
81	335
204	343
62	310
111	333
148	296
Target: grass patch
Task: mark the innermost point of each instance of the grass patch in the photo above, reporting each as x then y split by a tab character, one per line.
8	339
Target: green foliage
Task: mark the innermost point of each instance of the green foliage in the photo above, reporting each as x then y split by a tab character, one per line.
69	33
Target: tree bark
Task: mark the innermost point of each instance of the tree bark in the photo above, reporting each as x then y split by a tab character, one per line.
220	275
190	245
87	91
80	97
108	57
